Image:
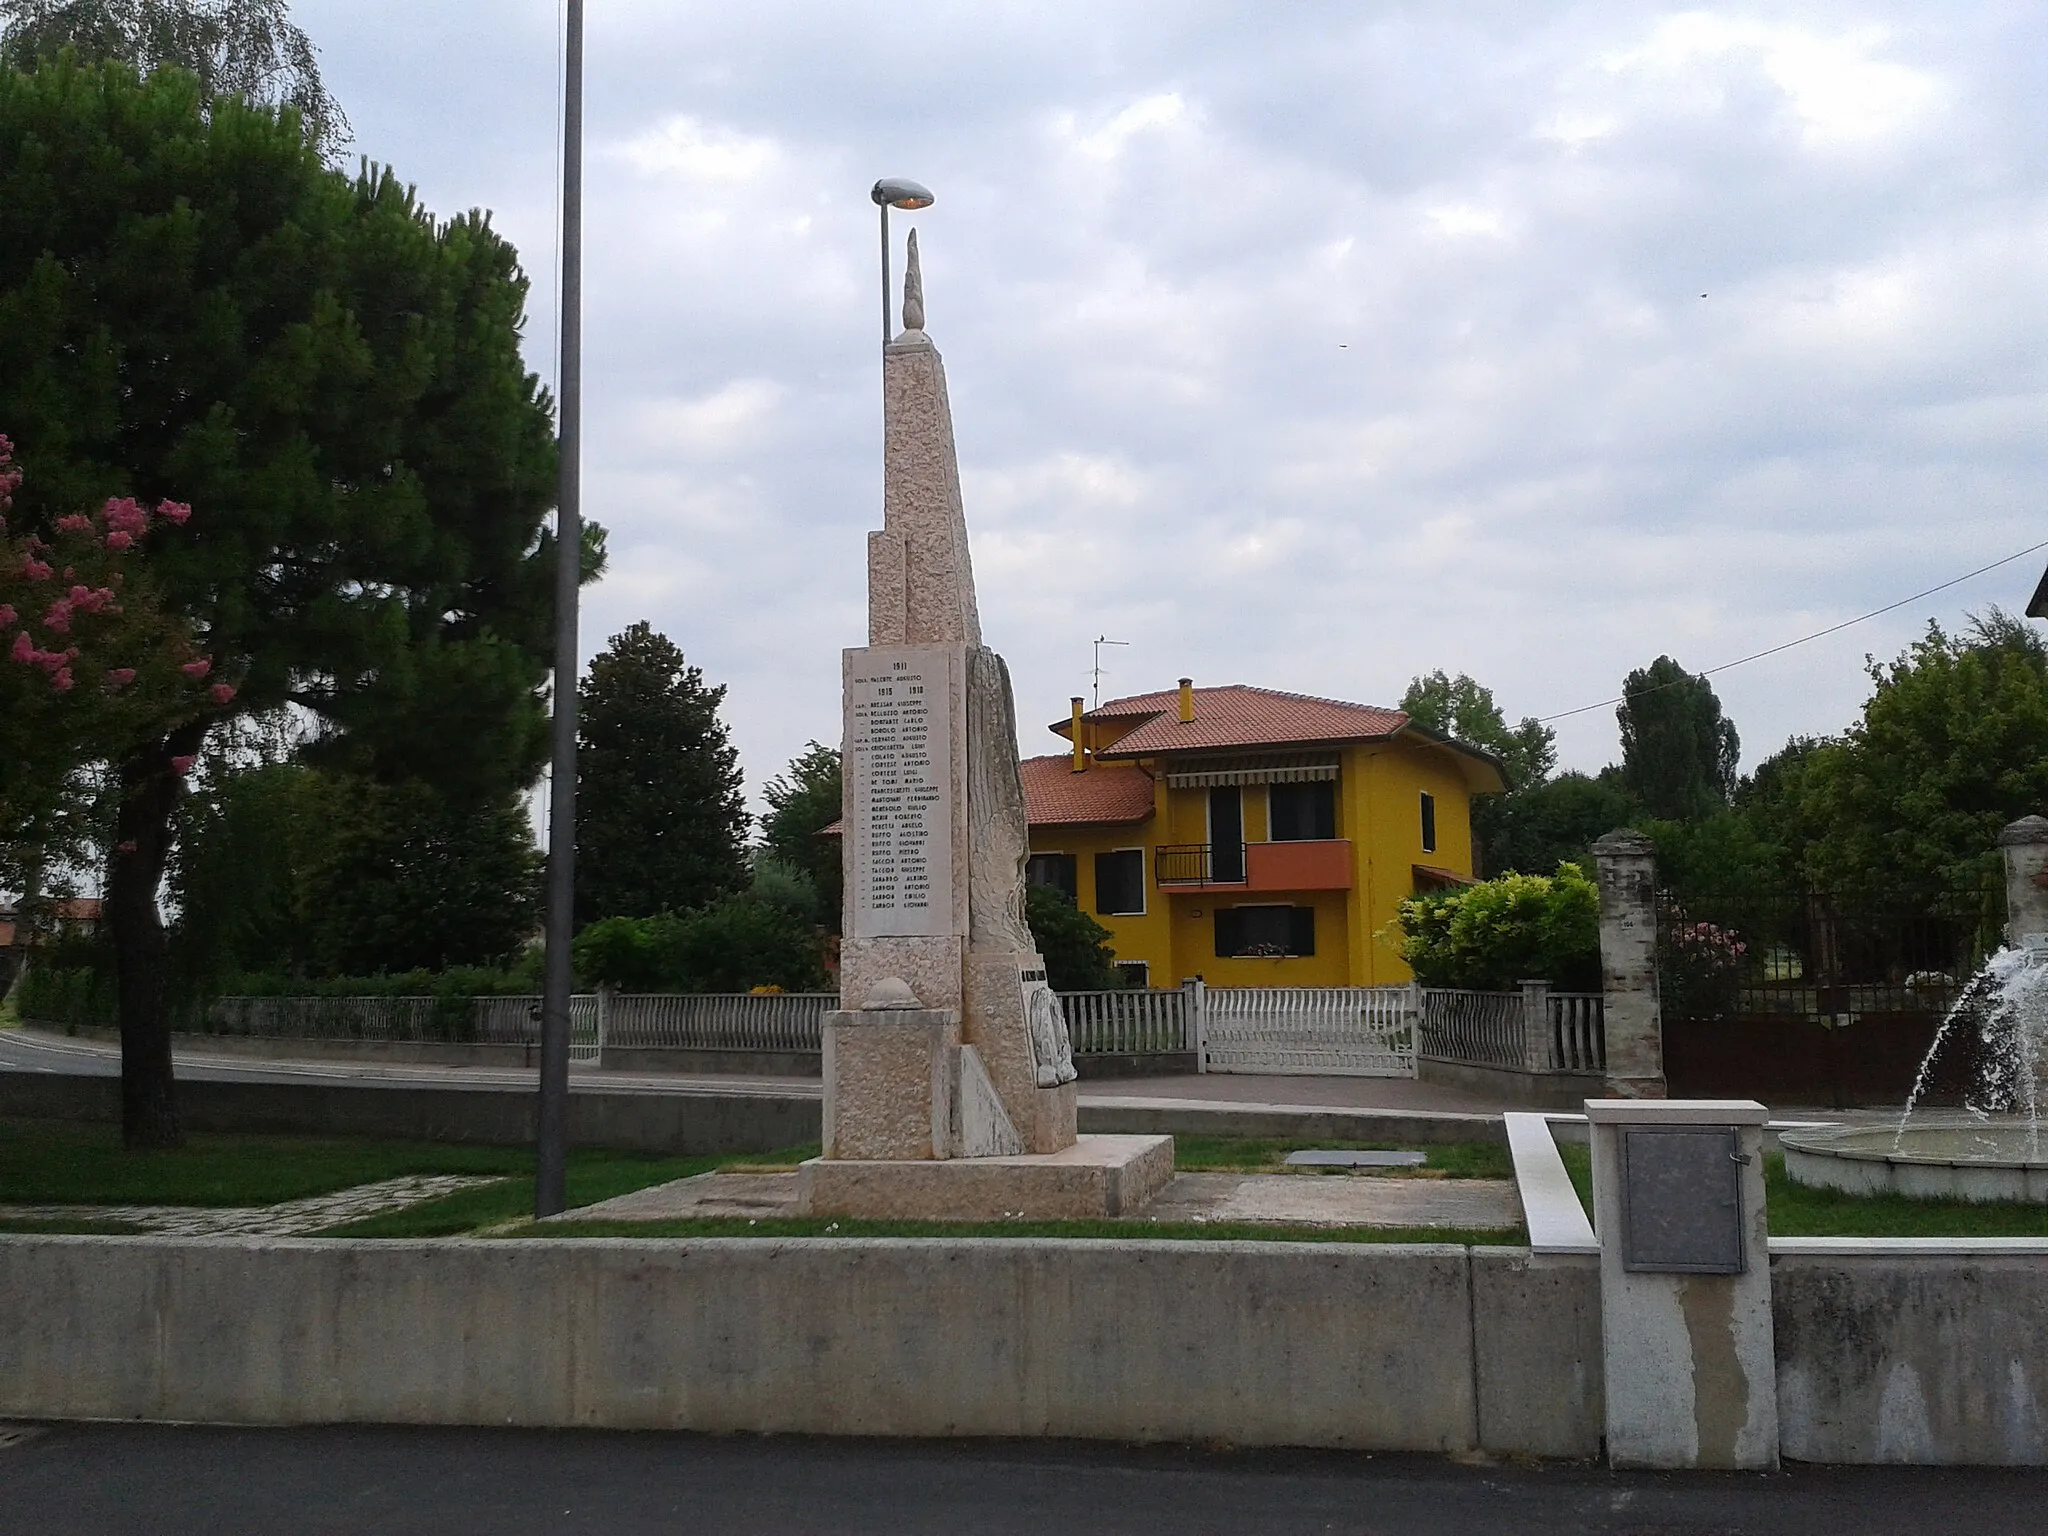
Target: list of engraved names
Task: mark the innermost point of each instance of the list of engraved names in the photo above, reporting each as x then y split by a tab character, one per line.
897	735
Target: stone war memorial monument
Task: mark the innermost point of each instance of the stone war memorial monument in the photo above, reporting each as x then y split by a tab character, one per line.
949	1078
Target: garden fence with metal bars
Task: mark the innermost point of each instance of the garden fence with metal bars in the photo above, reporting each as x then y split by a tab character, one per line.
1813	997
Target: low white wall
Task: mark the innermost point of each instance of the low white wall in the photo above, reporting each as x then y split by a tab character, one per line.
1252	1343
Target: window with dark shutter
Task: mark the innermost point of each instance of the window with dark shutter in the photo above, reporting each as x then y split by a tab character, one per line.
1254	932
1061	871
1428	822
1300	813
1120	882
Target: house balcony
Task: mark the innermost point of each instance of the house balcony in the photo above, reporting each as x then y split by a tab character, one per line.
1321	865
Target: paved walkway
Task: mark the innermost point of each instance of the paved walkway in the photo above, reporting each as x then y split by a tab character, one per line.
289	1218
1292	1199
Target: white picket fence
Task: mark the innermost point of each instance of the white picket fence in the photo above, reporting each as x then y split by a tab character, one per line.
733	1021
1138	1021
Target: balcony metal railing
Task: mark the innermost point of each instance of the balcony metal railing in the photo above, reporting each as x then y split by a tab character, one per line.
1198	864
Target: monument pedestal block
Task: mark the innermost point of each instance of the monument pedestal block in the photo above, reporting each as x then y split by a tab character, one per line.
889	1079
1095	1178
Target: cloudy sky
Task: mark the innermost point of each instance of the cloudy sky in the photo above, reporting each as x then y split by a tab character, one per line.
1308	345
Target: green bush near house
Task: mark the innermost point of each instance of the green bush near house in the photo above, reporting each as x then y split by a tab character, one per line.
1499	933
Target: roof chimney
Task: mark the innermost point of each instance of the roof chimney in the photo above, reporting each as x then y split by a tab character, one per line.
1187	701
1080	752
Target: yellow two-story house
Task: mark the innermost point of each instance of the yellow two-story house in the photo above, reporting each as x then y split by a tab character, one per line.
1252	837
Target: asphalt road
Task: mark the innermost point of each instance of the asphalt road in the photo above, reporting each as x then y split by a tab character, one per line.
80	1480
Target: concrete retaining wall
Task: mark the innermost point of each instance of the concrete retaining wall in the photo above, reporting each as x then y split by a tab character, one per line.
1256	1344
631	1122
693	1061
434	1053
1911	1357
1537	1090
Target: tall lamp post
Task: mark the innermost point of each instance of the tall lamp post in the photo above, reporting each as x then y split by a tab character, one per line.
895	192
550	1187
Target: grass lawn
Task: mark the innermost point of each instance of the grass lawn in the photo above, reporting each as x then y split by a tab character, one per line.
1229	1154
1797	1211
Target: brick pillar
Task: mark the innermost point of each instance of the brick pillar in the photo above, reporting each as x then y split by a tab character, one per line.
2025	845
1628	965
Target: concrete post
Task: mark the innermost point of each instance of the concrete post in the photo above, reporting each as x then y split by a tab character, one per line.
1196	1002
1685	1283
1536	1052
2025	845
1628	965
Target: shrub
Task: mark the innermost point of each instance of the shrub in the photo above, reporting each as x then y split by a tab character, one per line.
1494	935
1077	952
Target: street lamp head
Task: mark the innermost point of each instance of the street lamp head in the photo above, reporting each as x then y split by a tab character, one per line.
898	192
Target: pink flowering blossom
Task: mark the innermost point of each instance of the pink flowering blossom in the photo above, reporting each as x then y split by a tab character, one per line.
120	677
7	614
197	669
175	513
222	693
76	522
24	650
57	617
125	515
61	680
182	764
119	540
34	569
127	846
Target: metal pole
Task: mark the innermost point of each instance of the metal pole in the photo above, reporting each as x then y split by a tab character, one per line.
885	276
550	1192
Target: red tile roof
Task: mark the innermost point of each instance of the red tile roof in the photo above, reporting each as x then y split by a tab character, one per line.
1055	795
1240	716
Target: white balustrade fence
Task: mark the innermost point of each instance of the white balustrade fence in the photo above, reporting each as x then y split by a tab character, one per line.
1336	1031
732	1021
1578	1032
329	1018
1133	1022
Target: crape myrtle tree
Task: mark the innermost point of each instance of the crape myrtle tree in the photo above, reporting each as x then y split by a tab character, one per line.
247	48
1678	751
194	308
660	823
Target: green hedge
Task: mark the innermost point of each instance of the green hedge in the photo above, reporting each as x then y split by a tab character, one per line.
70	997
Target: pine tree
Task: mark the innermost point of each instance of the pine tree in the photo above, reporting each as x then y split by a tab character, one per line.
660	823
193	308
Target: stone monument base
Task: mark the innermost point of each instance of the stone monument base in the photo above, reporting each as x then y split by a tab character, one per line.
1097	1177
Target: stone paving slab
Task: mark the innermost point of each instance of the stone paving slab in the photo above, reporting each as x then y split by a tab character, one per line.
1337	1200
289	1218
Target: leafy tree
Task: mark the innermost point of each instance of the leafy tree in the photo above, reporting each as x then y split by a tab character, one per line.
248	48
761	937
1952	745
1494	935
1532	830
289	870
660	824
417	880
1461	708
802	802
1678	752
194	309
1078	956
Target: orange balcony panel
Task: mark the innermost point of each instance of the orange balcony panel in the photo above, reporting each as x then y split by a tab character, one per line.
1324	865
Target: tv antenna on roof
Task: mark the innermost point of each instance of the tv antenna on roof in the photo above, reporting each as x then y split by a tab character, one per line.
1100	642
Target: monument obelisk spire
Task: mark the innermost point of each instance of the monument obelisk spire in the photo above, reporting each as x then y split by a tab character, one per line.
920	572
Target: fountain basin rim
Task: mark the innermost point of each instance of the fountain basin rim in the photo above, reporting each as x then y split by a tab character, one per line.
1879	1145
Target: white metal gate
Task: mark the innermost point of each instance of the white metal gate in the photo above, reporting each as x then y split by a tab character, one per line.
1334	1031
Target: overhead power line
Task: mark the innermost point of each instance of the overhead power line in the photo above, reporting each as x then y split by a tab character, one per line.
1818	634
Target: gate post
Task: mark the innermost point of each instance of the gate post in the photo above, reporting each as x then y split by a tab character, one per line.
1628	965
1195	1009
1537	1054
2025	846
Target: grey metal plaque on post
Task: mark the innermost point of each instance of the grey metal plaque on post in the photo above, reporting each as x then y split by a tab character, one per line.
1681	1199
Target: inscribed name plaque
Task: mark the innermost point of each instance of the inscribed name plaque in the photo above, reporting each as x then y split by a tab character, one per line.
899	762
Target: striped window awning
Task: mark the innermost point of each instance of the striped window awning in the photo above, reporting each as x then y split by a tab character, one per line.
1286	768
